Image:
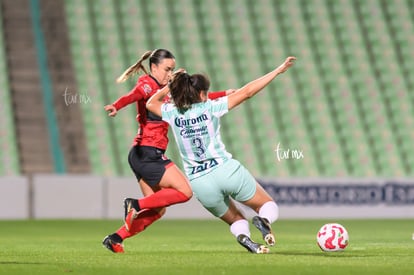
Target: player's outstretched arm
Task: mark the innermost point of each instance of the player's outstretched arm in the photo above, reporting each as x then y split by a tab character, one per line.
255	86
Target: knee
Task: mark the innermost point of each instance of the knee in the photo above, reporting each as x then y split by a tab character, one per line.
188	193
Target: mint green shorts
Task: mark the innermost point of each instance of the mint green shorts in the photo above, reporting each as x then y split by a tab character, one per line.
229	179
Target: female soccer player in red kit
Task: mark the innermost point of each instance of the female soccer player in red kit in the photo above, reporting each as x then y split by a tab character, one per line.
161	182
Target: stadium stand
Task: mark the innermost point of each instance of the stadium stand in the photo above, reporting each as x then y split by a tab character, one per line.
336	87
399	26
66	96
346	35
347	104
378	118
309	88
245	67
189	43
393	93
87	64
222	71
132	26
284	124
32	139
9	160
112	61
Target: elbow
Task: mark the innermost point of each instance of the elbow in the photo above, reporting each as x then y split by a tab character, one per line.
248	94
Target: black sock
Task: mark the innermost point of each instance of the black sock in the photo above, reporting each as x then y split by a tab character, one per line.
135	204
116	238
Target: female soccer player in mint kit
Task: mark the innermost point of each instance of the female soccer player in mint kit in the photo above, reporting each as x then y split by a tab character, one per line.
215	177
161	182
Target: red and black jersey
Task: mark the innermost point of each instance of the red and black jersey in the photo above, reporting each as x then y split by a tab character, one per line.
153	131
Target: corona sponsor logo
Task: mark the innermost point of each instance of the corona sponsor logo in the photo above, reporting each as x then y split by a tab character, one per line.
181	121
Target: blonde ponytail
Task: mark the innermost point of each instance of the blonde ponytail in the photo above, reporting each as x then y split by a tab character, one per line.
135	68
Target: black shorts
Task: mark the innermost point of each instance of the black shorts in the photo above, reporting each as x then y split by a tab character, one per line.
148	163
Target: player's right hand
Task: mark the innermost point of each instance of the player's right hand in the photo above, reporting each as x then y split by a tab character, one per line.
111	110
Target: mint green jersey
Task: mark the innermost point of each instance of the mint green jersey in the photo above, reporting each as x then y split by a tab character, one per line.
197	133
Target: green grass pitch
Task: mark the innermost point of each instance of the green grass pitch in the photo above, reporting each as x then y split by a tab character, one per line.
202	247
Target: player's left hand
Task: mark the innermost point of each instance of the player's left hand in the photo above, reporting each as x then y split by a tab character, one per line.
287	64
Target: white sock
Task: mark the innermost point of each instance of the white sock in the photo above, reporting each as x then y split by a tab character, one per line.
270	211
240	227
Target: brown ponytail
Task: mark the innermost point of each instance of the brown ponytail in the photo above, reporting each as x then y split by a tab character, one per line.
135	68
185	89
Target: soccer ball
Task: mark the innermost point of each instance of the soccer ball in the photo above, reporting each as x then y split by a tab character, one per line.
332	237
